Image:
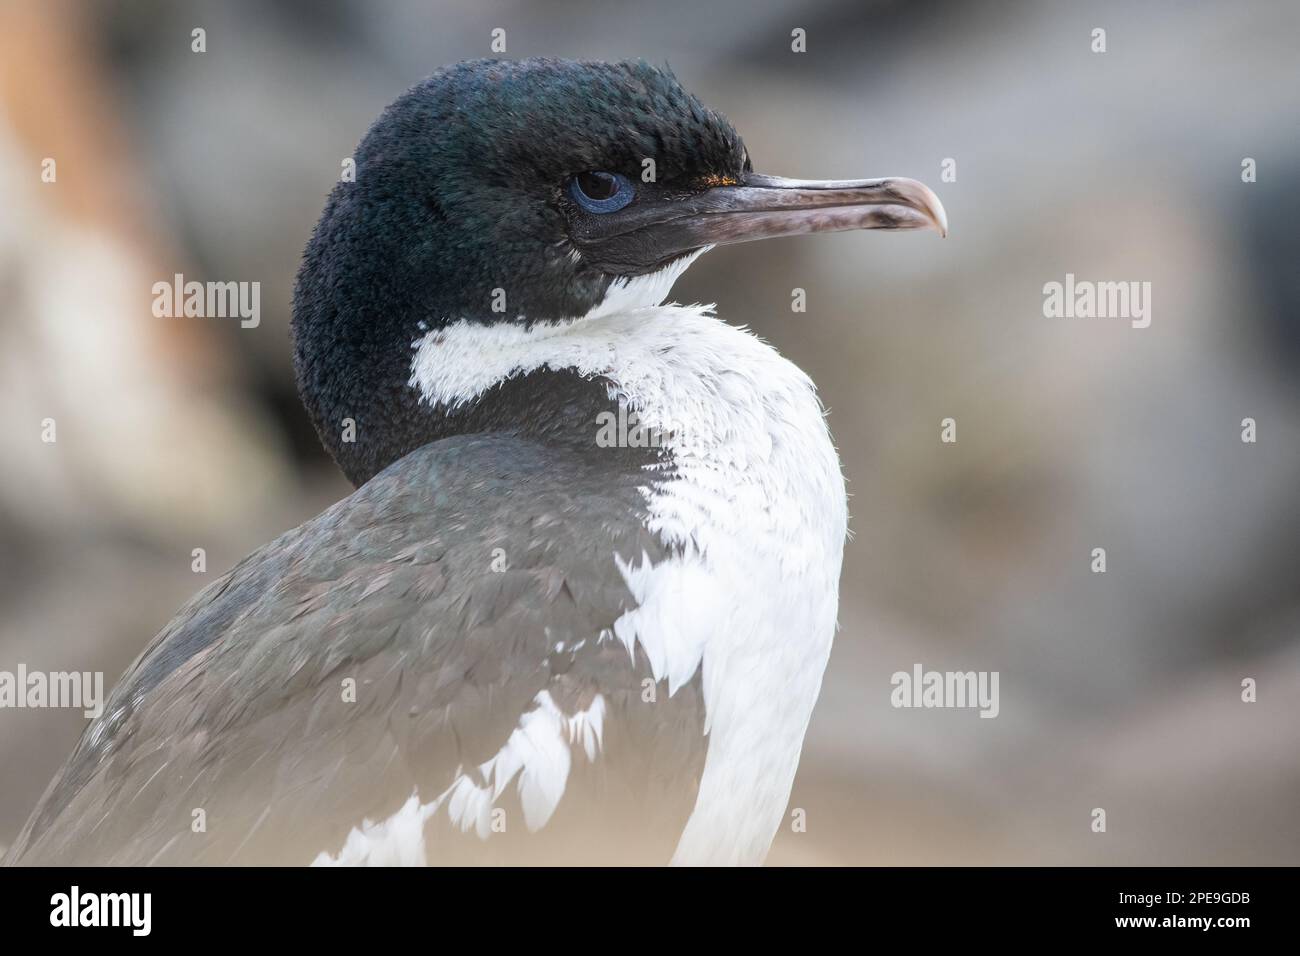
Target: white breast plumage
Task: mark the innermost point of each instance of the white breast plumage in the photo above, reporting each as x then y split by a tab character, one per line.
756	506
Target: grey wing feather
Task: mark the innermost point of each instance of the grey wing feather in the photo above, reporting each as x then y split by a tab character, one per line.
238	716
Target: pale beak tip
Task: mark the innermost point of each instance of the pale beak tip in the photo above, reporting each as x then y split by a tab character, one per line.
938	215
920	198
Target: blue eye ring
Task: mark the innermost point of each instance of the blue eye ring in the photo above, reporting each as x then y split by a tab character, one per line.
601	192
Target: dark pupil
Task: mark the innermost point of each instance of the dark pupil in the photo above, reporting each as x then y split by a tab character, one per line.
597	185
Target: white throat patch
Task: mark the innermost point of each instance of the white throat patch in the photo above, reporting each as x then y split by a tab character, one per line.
626	294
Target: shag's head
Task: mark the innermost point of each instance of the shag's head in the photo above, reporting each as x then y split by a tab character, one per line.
519	191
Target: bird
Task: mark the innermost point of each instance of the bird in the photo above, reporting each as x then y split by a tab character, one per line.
579	605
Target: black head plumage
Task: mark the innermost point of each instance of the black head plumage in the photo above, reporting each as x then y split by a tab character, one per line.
462	209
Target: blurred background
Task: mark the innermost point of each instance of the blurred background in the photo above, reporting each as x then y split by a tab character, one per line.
1119	690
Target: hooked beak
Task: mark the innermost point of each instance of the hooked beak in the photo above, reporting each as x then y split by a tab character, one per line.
648	235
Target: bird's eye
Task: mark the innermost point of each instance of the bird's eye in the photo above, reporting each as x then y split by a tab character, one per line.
601	192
